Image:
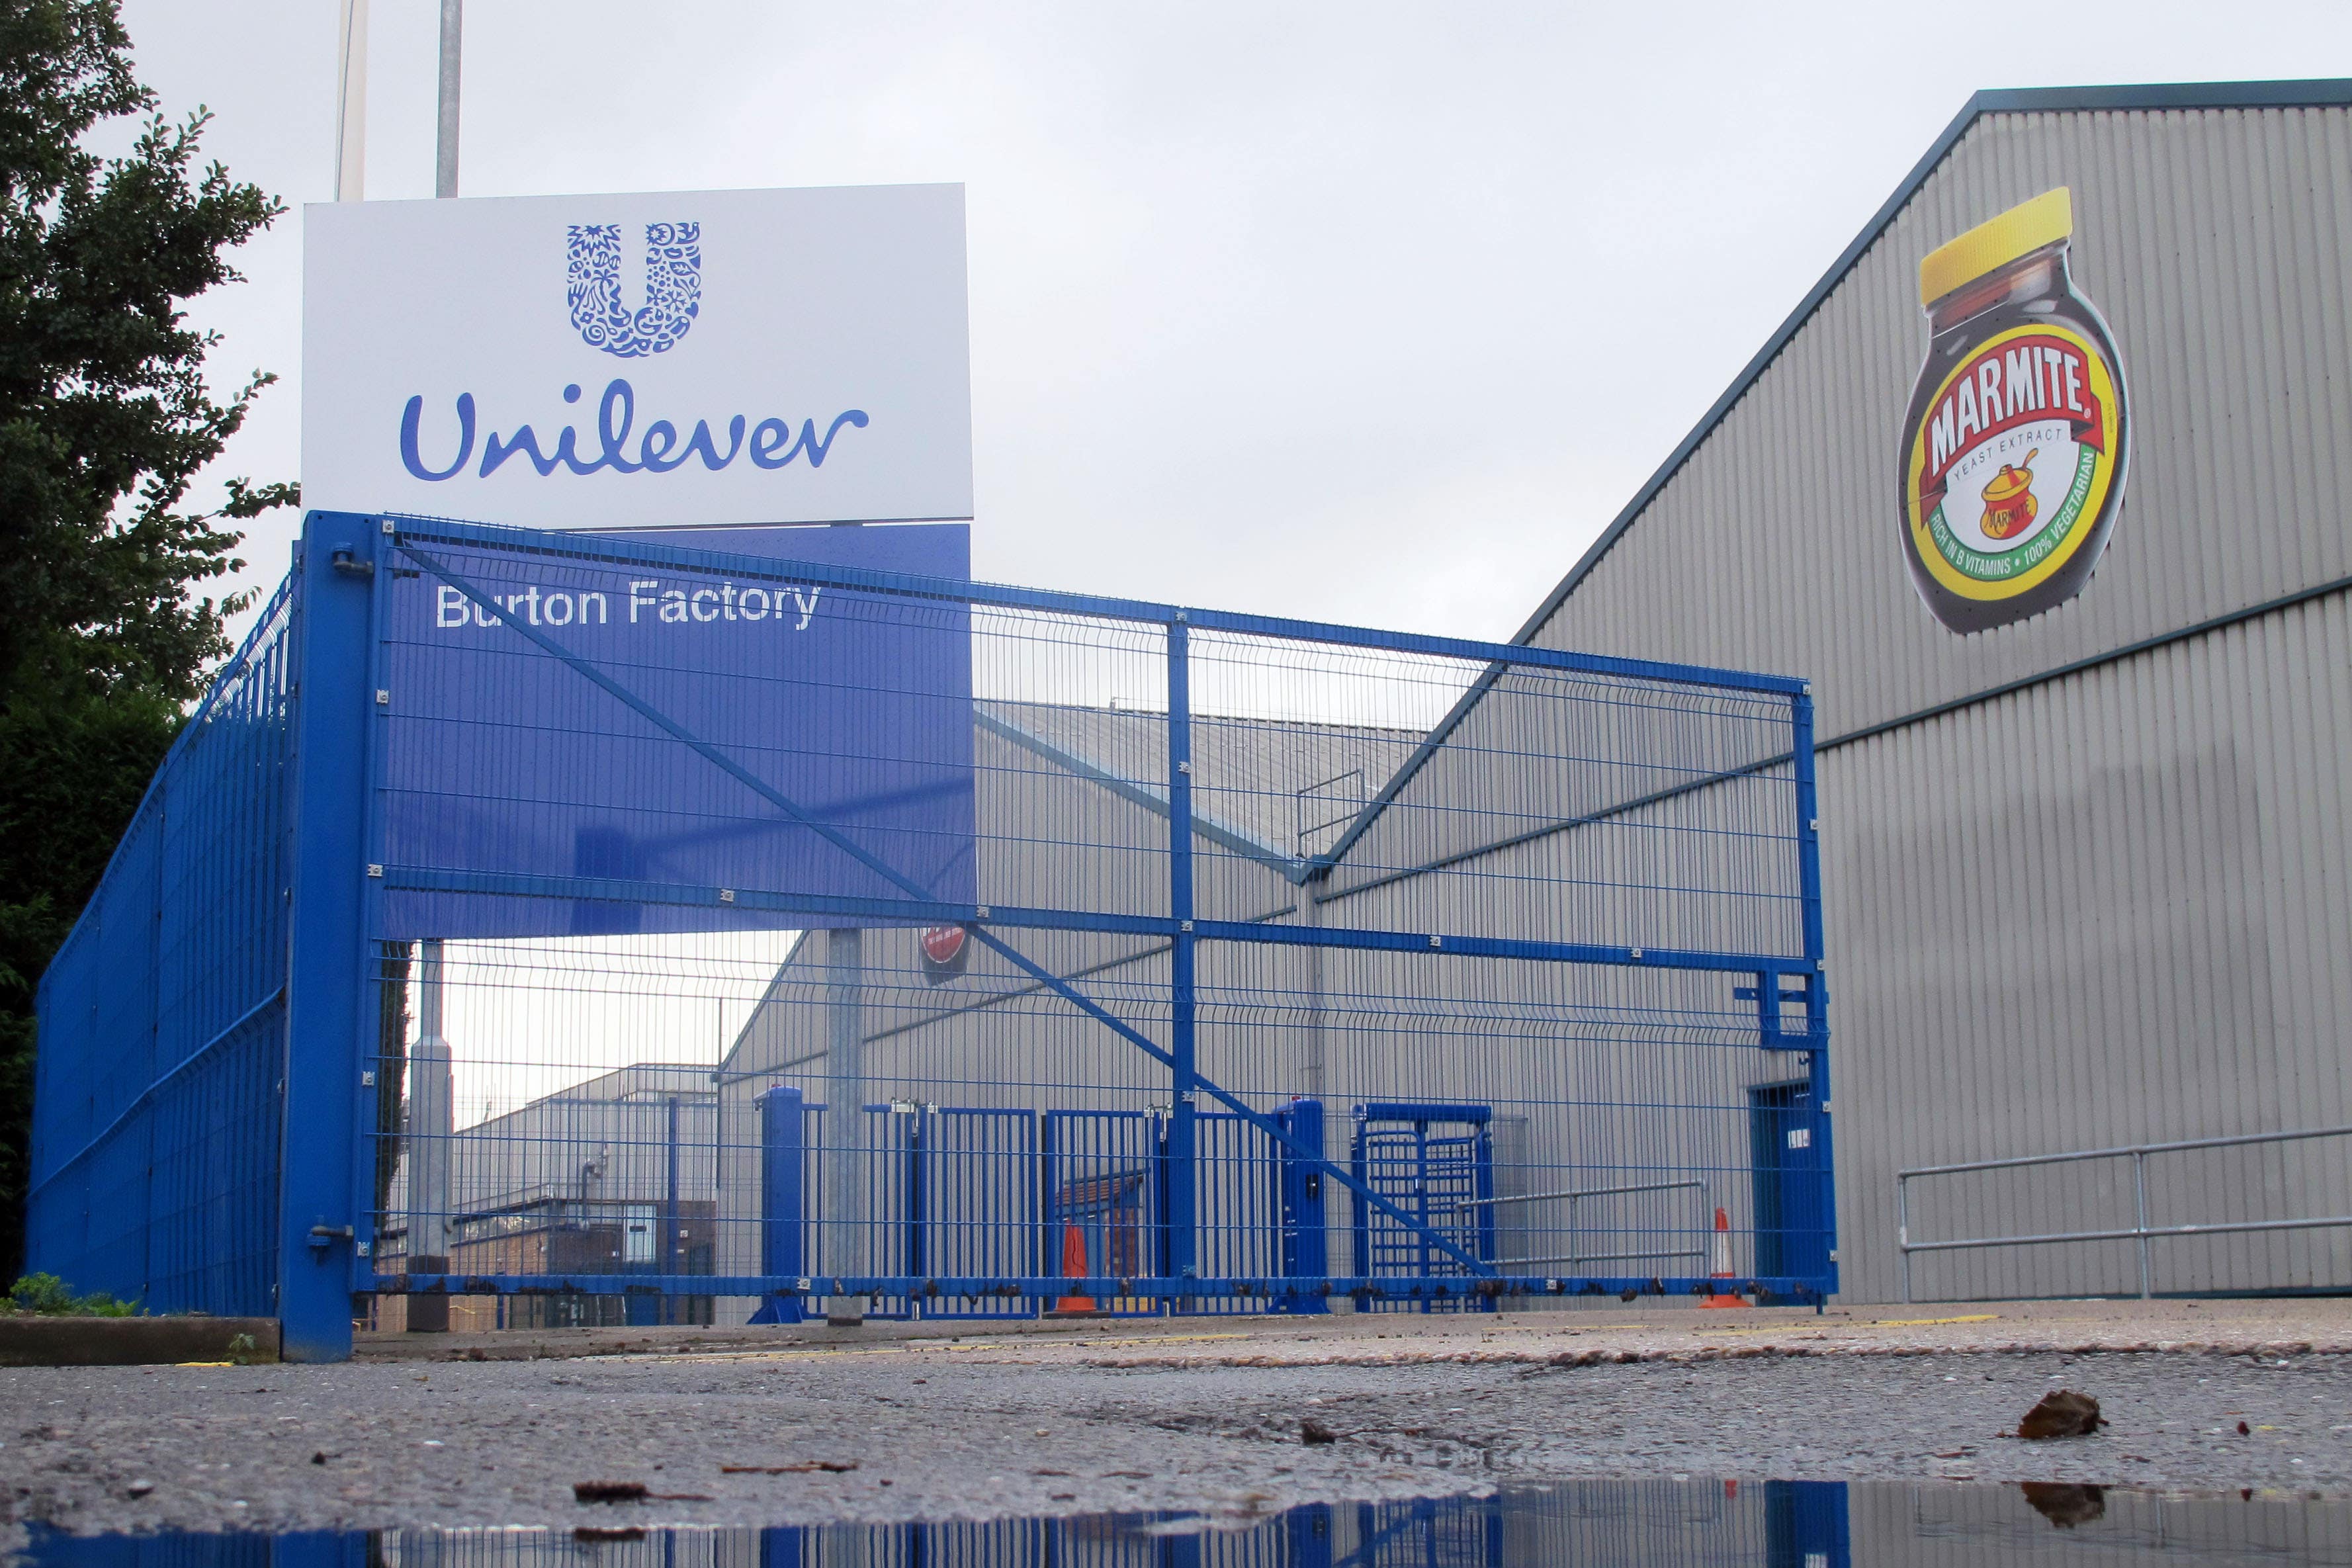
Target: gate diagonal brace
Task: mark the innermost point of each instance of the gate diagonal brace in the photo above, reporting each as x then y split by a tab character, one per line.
1053	982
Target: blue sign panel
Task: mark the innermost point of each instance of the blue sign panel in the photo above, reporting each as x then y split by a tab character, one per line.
681	725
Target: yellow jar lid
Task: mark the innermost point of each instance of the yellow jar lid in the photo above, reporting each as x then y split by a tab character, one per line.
2046	219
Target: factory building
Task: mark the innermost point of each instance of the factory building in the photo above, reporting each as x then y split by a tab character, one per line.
2043	488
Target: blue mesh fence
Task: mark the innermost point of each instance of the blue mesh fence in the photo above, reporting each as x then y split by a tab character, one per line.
155	1140
1173	960
725	936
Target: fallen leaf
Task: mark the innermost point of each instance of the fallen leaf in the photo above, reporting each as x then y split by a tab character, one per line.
1314	1434
2062	1413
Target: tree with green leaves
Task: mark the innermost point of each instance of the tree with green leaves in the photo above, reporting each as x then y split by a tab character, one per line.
107	419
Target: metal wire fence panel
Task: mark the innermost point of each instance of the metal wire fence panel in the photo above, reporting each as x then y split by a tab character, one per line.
750	935
1114	957
155	1112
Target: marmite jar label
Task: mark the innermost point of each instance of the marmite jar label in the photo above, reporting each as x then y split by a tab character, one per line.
2015	444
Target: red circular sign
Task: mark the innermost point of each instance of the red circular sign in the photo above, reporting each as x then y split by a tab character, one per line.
941	943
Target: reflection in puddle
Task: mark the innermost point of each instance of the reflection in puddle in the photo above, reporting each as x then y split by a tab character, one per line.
2064	1504
1637	1524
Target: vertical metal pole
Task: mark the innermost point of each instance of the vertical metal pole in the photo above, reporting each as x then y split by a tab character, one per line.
781	1151
2139	1203
845	1172
1792	1240
382	1109
445	140
1183	1142
669	1253
1817	998
1310	1529
330	1021
1311	1070
1306	1244
431	1129
351	102
1903	1230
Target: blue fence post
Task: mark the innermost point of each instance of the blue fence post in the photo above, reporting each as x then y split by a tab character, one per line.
1824	1220
1306	1246
1183	1135
1807	1522
327	994
303	1549
670	1250
1308	1527
1360	1227
783	1143
784	1547
1481	1192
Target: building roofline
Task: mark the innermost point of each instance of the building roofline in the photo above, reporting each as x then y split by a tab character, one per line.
2316	92
2319	92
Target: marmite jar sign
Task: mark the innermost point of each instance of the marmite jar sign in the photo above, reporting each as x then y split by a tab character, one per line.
2014	448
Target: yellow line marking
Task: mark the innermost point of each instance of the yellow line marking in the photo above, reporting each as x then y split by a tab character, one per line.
1874	1323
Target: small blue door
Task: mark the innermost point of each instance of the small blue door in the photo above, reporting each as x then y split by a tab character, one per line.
1792	1230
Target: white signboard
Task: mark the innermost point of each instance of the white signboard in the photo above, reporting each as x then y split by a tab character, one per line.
595	362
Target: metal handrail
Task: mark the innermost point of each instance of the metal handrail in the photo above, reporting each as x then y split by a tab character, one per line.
1573	1195
2141	1232
1581	1192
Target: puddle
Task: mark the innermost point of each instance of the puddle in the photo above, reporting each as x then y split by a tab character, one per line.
1632	1524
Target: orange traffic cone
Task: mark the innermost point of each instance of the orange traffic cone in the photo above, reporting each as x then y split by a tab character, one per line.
1074	1266
1722	1263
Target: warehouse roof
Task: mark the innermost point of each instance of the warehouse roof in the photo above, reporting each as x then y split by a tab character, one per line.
2317	92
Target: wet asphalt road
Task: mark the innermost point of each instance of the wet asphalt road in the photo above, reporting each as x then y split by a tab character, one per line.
369	1446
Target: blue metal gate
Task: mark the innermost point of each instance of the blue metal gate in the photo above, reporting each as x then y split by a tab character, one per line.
1436	1164
516	874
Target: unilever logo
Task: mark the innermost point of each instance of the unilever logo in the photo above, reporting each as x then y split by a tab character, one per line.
673	287
673	301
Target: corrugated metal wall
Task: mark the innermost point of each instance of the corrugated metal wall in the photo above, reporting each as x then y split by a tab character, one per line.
2103	910
2218	246
2110	908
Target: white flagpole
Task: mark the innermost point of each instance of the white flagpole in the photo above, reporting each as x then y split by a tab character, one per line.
351	103
445	145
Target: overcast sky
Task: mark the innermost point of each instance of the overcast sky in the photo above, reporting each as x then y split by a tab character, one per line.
1364	313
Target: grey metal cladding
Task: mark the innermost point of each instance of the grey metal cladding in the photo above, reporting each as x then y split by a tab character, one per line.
2218	243
2103	910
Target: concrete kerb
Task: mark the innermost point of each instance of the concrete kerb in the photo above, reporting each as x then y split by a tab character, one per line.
1552	1340
31	1341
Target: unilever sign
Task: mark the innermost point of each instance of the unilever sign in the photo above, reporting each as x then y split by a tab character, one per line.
501	760
635	360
